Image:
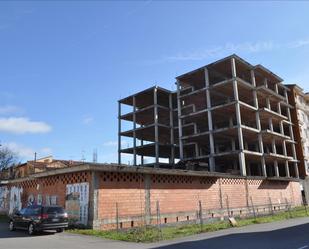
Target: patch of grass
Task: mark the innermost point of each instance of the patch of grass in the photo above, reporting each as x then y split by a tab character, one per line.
152	234
293	213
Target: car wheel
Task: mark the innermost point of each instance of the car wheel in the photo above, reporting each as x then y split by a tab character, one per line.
59	230
31	229
11	226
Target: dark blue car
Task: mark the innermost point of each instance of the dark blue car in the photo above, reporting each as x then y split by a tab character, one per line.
38	218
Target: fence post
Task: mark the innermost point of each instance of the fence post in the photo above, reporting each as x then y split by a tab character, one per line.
270	206
117	216
305	206
253	208
288	205
228	205
158	219
201	214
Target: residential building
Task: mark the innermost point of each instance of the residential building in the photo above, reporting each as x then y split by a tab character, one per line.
300	115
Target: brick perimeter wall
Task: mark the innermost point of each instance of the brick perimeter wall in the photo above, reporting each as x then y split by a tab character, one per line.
175	194
182	193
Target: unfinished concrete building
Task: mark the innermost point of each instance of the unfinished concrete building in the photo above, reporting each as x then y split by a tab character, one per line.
153	115
232	117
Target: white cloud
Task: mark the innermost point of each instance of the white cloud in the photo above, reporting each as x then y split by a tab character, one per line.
110	143
21	125
87	120
115	143
27	153
9	109
298	43
21	150
223	50
113	158
46	151
229	48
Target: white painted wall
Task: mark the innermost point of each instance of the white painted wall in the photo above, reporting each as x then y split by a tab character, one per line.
3	199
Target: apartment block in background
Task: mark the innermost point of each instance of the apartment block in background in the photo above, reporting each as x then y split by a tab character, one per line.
300	116
232	117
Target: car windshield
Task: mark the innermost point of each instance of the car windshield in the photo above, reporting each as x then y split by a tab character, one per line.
54	210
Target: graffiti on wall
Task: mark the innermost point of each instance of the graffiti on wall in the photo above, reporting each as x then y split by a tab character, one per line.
83	194
3	198
15	199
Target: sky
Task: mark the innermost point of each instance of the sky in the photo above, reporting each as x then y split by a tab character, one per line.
64	64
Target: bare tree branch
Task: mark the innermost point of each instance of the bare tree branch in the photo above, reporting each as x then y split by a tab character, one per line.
7	157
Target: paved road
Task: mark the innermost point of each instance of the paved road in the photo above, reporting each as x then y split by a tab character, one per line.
290	234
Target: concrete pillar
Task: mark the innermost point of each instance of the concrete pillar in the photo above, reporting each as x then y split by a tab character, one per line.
281	128
270	122
93	218
273	145
305	184
296	170
179	121
284	148
210	124
279	108
287	170
286	164
172	158
268	105
242	162
119	132
276	168
142	157
286	95
147	180
155	101
195	128
258	125
276	88
294	151
263	165
134	131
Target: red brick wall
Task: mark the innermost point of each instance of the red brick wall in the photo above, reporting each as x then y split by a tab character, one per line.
174	193
182	193
125	189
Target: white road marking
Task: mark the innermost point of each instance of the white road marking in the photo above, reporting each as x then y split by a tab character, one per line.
303	247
